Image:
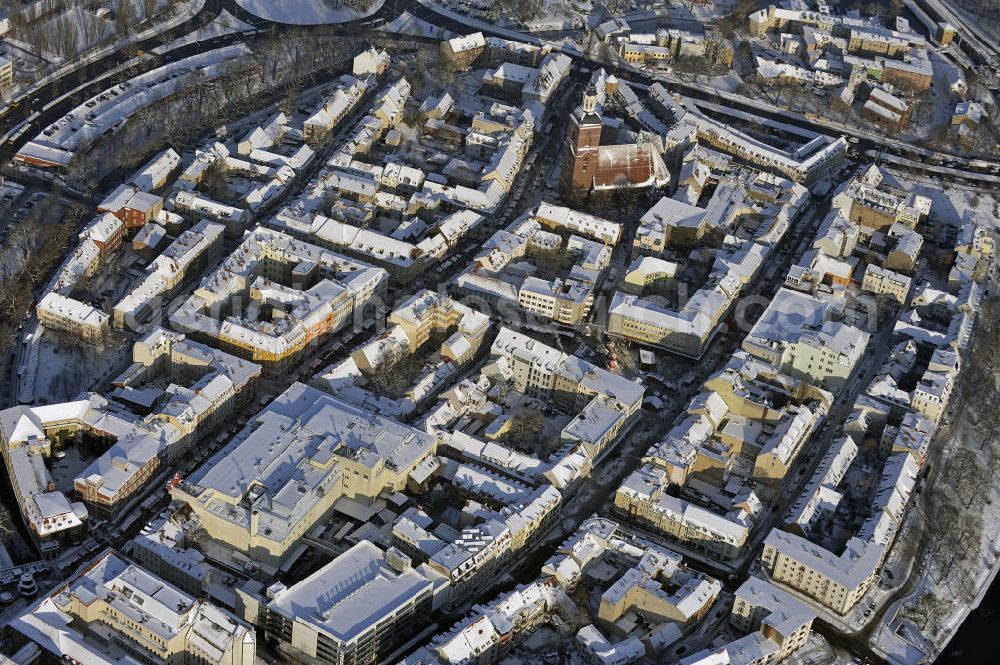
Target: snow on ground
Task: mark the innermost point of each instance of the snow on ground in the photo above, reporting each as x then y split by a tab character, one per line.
224	24
726	83
305	12
108	110
66	469
64	370
955	204
560	15
62	34
408	24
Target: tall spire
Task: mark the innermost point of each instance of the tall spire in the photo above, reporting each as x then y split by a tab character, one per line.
590	100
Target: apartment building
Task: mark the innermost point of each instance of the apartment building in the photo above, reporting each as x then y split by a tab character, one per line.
932	393
317	291
820	497
113	611
132	206
193	251
567	296
335	108
204	386
48	514
649	274
781	442
462	51
640	590
689	328
547	373
561	218
669	222
370	62
79	319
836	582
154	174
560	300
886	283
795	334
6	72
490	631
686	331
875	206
426	313
780	626
887	110
106	231
642	497
976	239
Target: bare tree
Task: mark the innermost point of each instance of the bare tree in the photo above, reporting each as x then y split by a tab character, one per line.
124	16
524	426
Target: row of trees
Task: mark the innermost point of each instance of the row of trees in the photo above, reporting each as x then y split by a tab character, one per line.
48	233
951	539
64	28
295	61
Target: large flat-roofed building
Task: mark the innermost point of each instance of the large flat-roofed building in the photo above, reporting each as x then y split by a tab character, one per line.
276	296
794	334
356	609
113	611
291	463
802	168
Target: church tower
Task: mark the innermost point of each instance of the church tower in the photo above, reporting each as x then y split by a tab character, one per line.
580	152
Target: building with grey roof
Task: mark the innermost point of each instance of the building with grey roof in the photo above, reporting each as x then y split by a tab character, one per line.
356	609
291	463
113	611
